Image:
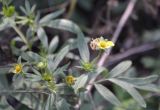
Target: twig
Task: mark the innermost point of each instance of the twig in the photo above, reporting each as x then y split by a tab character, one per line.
136	50
120	26
77	107
151	95
50	9
97	20
71	8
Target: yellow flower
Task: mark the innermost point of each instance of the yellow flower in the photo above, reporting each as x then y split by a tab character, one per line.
104	44
101	43
70	80
18	68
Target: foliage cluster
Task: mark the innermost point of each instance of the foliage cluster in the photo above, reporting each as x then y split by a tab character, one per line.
41	81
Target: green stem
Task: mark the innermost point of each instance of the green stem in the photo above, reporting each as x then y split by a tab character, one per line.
71	8
21	35
97	58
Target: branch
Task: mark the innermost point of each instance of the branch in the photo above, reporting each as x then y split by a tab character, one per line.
119	28
104	56
121	24
130	52
53	8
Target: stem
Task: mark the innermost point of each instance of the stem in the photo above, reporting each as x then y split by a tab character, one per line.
133	51
105	55
97	58
23	91
21	35
121	24
71	8
118	30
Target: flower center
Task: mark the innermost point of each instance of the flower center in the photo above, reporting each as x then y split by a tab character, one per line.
18	68
103	44
70	80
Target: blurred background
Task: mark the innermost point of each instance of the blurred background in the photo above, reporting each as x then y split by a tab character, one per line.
138	38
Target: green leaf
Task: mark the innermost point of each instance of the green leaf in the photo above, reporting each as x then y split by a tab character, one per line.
18	81
34	56
32	101
3	82
19	60
51	16
149	62
61	70
33	77
147	35
59	57
36	72
72	56
148	87
27	5
33	9
130	89
83	47
80	82
53	44
64	25
128	104
107	94
50	102
71	27
43	37
143	83
19	52
100	70
62	105
4	104
120	68
23	10
72	42
63	89
5	24
4	70
140	81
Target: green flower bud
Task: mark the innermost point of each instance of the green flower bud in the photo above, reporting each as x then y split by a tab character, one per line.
47	77
87	66
8	11
41	65
50	82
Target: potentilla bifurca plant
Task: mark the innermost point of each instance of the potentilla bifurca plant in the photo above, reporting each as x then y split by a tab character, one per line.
39	75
